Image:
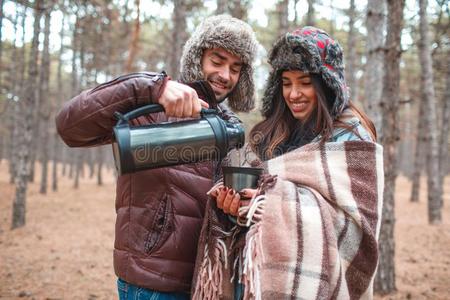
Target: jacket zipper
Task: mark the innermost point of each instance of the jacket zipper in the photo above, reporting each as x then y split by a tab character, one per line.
159	226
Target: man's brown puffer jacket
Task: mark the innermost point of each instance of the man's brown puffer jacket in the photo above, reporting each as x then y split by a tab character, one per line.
159	211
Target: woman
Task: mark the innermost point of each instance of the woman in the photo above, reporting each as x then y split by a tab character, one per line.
313	234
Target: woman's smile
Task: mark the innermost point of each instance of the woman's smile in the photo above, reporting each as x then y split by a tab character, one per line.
299	94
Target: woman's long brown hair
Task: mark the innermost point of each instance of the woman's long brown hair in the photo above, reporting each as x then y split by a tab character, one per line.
267	136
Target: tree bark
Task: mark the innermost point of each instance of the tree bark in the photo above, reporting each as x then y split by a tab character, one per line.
72	162
238	9
295	13
419	156
78	168
310	15
434	197
332	22
351	61
44	102
385	277
35	143
100	165
1	46
91	164
55	163
126	25
179	36
445	129
373	73
27	106
283	17
134	44
82	44
74	73
222	7
17	64
60	96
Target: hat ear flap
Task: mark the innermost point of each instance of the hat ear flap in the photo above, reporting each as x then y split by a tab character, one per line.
242	98
333	56
272	85
276	48
335	83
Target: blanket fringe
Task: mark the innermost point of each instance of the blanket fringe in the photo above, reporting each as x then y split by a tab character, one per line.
253	259
210	274
253	255
253	212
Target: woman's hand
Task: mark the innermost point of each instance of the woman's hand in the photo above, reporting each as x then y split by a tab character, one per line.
228	200
225	197
248	193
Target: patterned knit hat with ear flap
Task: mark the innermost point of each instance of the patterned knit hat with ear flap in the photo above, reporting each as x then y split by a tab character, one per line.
310	50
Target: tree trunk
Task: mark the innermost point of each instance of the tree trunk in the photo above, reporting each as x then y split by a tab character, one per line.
222	7
92	154
17	64
179	36
100	165
373	73
1	46
283	17
45	105
59	98
385	277
332	18
55	163
15	141
64	163
310	15
134	44
419	156
35	143
445	128
27	106
74	73
238	9
80	153
78	168
72	162
434	197
295	13
351	61
406	148
124	21
2	146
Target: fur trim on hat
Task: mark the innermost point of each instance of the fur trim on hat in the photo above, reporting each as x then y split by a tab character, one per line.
236	37
310	50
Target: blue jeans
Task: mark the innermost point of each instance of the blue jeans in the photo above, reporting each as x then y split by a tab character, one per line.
128	291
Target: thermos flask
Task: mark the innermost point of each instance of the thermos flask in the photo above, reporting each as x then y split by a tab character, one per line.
137	148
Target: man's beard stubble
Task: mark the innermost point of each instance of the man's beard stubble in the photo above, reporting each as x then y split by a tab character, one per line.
224	82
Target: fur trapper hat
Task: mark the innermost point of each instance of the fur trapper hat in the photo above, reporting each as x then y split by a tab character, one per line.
236	37
310	50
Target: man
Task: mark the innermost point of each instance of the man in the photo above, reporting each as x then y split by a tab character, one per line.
160	211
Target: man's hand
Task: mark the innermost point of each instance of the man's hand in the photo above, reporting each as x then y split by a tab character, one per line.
181	101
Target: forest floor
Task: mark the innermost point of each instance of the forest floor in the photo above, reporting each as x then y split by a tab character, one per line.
65	249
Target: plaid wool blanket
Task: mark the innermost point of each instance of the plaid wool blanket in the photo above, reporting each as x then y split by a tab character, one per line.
313	235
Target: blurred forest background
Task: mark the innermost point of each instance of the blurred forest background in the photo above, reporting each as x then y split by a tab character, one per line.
397	66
